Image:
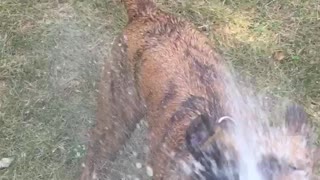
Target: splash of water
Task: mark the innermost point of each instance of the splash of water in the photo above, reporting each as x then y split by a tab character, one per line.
252	134
243	109
253	137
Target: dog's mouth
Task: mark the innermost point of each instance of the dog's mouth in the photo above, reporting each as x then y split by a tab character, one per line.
216	156
217	160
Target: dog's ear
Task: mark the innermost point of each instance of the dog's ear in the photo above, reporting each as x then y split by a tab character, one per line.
198	132
296	119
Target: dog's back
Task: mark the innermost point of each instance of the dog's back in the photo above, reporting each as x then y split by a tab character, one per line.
178	75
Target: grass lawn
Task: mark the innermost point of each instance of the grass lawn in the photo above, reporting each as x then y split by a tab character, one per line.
51	51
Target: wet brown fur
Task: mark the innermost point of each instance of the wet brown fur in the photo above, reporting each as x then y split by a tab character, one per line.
163	69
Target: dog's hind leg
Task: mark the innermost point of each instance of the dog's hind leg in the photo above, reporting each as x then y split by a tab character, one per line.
119	109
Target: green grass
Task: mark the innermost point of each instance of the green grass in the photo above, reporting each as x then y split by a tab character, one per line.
49	58
50	53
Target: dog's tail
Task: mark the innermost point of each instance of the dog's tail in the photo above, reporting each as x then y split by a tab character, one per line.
138	8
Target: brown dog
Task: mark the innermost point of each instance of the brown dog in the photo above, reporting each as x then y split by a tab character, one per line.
166	70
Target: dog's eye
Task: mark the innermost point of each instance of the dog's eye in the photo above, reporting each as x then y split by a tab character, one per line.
295	168
292	167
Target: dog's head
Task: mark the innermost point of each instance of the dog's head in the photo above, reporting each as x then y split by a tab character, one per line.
272	154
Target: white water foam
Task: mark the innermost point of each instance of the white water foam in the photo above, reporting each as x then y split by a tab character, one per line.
252	132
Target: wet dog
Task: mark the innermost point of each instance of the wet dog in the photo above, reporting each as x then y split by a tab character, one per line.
165	70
